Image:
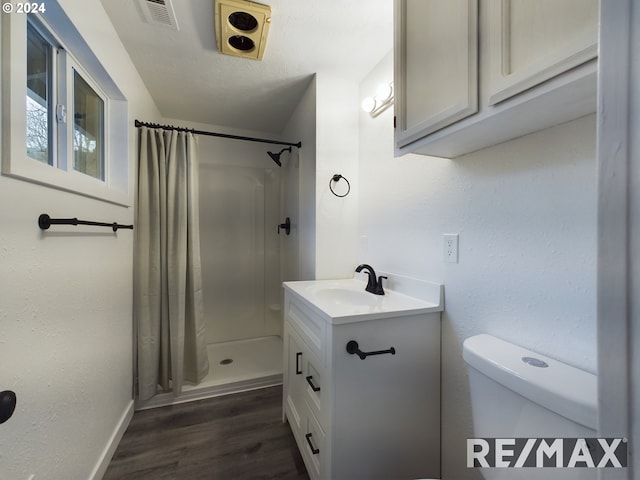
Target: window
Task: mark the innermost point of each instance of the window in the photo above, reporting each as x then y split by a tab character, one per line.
88	129
72	131
44	79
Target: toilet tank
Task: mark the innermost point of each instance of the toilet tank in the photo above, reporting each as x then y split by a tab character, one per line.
519	393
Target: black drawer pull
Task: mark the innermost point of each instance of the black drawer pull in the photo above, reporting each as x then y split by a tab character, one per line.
314	450
313	387
298	369
352	348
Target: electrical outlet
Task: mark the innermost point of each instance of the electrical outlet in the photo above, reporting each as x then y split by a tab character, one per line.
450	248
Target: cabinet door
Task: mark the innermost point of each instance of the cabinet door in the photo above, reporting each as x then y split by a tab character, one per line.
531	41
294	382
436	78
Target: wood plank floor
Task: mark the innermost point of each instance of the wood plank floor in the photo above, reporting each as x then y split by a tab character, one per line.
233	437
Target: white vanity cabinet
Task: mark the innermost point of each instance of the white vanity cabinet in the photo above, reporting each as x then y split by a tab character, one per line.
475	73
376	418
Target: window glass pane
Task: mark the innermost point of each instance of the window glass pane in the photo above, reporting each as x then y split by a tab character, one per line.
39	136
88	129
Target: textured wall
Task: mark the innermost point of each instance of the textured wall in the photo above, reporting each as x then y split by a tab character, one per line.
525	211
65	305
298	255
336	152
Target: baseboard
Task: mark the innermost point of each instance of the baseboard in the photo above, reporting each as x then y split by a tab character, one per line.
102	465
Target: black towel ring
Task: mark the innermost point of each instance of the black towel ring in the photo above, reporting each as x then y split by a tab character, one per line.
336	178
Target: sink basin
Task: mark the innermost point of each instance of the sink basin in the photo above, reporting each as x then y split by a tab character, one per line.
346	296
345	300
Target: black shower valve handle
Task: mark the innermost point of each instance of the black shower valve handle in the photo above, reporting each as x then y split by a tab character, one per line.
286	226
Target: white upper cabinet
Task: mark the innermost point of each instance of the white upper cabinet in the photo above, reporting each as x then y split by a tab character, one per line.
531	41
433	98
470	74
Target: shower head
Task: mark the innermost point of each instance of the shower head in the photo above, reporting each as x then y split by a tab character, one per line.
276	156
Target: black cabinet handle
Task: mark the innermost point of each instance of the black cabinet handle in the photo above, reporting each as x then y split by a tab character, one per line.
298	369
313	387
353	348
314	450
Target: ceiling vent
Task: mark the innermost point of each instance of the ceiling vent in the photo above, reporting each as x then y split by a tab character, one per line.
159	12
242	27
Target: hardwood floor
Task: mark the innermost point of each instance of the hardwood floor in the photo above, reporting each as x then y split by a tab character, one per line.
233	437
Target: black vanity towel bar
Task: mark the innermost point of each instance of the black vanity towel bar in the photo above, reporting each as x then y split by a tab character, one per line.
354	349
45	221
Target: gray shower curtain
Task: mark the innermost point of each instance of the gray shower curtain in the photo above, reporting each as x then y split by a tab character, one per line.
168	306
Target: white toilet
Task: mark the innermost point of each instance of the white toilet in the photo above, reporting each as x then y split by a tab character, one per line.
516	393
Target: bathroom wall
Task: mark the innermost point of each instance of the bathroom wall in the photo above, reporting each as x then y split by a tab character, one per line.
66	303
299	248
336	153
525	211
326	121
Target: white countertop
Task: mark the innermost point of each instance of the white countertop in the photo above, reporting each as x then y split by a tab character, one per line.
345	300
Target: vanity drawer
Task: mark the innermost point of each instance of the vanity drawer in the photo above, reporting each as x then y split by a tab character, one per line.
310	327
315	386
313	450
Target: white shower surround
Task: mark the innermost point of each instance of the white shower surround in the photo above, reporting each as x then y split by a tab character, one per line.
240	189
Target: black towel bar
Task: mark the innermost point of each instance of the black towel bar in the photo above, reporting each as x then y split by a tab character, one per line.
354	348
45	221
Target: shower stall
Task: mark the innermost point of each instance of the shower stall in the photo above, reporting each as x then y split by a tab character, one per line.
243	194
248	247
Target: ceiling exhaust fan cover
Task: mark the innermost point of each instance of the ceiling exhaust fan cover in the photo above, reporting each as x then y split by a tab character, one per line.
242	28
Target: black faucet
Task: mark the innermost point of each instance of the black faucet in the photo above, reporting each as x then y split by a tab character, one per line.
373	285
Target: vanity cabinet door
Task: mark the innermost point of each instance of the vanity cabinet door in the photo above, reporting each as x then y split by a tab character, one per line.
436	79
294	381
533	41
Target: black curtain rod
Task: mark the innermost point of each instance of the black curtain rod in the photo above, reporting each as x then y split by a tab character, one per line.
45	221
138	123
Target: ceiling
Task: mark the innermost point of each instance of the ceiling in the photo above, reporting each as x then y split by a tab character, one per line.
189	80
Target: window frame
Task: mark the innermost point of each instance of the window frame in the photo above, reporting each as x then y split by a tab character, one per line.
72	52
52	143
